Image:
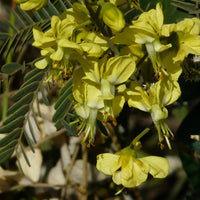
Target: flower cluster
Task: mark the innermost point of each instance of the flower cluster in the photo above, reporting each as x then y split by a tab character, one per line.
94	44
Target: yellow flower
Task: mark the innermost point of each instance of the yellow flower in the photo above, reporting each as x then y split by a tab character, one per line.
78	14
188	38
146	30
109	72
55	43
58	47
153	100
31	4
110	75
87	105
184	37
130	170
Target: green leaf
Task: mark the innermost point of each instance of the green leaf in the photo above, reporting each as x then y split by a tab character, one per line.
63	97
31	130
58	125
11	68
35	77
35	120
11	144
24	91
19	165
11	136
11	126
29	142
32	73
25	156
20	112
4	155
62	110
25	100
44	98
69	129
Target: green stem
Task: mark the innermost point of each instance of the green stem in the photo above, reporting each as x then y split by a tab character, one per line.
146	130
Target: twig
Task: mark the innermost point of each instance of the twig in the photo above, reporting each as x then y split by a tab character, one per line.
68	170
85	178
53	135
46	185
113	136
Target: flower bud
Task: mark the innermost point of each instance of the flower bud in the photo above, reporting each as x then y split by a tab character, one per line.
112	17
31	4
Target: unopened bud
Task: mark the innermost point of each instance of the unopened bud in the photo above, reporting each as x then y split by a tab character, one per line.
112	17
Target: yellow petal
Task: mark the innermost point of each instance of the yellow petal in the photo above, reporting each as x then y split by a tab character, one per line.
189	25
142	34
125	37
41	64
158	113
188	44
117	177
138	98
82	110
78	86
168	91
158	166
119	69
91	69
92	96
159	16
58	54
166	60
37	35
92	49
117	105
167	29
107	89
71	45
133	174
33	4
108	163
55	25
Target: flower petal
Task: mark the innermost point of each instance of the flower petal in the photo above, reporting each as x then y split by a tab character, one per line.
58	54
108	163
158	166
41	64
133	173
92	49
119	69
